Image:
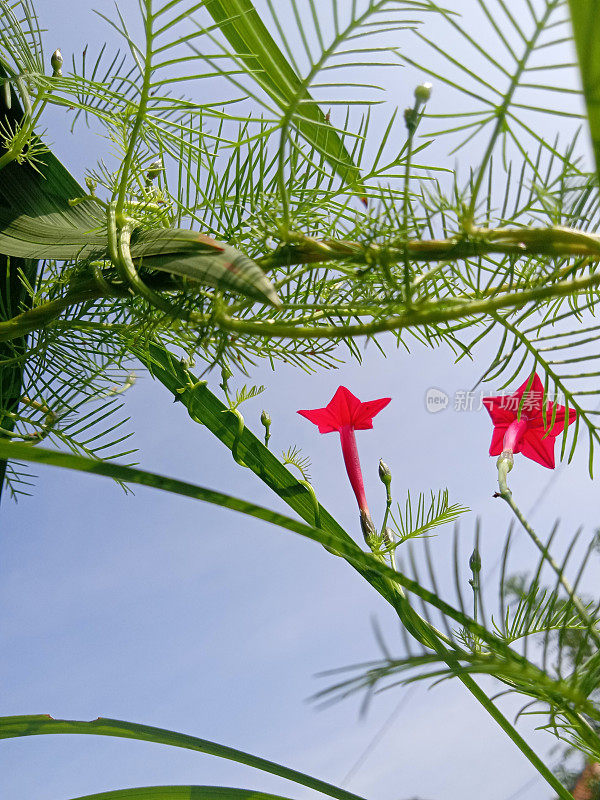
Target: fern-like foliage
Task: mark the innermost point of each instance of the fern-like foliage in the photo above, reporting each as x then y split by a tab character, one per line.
421	518
282	165
293	455
538	647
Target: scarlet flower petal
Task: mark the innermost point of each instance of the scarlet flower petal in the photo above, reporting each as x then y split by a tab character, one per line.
498	409
343	409
532	403
321	417
497	439
527	404
345	413
343	406
538	449
559	419
363	418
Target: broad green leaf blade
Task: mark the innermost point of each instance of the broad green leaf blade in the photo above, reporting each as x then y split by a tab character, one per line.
204	260
41	724
182	793
585	16
37	221
250	38
205	407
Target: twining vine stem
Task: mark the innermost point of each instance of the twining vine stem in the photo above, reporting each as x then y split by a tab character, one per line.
553	242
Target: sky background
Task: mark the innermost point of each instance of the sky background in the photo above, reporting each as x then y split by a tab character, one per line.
164	611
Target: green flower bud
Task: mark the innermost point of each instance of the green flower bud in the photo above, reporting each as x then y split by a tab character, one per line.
266	421
423	92
410	118
154	170
388	536
385	473
475	561
56	62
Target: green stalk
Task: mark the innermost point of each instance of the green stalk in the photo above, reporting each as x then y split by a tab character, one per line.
426	313
328	531
552	242
139	117
504	467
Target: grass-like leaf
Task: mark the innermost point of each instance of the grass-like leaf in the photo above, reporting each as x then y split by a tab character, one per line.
41	724
250	38
585	17
182	793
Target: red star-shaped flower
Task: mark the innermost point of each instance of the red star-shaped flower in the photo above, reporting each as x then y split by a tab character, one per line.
345	409
532	434
345	413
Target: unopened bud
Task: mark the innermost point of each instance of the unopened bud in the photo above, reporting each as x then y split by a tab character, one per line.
226	373
423	92
410	119
388	536
154	170
475	561
385	473
91	184
56	62
266	421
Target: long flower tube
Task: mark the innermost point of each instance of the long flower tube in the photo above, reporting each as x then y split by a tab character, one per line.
345	413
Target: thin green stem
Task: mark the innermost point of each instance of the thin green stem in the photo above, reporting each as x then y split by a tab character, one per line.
558	242
554	241
411	117
426	313
504	467
388	506
139	117
515	737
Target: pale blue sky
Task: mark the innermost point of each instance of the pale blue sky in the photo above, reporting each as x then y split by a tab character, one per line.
165	611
